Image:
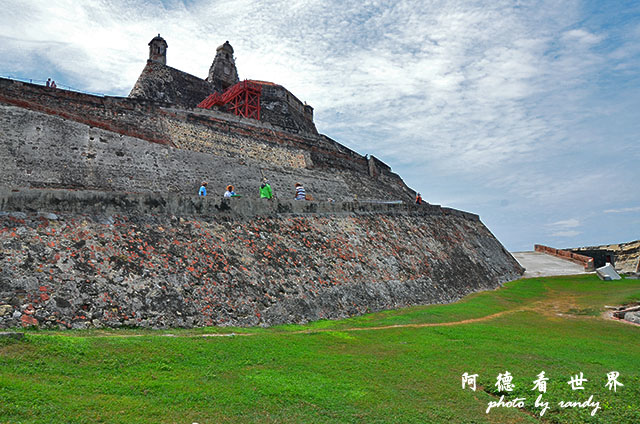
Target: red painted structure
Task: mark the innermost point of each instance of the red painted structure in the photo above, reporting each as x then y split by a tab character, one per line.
242	99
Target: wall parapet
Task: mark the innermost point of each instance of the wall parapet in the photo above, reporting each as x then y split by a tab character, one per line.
585	261
99	202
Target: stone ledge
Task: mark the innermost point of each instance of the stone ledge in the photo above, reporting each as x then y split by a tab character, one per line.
99	202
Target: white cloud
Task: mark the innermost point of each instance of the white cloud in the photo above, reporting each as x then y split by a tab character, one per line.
571	233
564	228
582	36
623	210
567	223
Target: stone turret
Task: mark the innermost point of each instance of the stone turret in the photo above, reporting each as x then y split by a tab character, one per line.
223	73
161	83
158	50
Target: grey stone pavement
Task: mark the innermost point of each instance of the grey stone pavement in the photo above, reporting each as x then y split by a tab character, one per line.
542	265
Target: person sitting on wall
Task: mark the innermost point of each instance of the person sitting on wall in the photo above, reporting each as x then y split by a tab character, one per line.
48	82
203	189
230	192
300	193
53	84
265	189
418	199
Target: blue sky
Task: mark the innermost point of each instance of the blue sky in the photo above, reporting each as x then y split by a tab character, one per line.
525	112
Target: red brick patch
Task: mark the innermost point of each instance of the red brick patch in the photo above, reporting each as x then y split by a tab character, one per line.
28	320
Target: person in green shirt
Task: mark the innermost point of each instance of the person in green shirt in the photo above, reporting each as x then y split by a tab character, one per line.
265	189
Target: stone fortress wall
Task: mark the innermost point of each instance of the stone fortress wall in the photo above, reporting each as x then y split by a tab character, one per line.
100	224
56	139
82	259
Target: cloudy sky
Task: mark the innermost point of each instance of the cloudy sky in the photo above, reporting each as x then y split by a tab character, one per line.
525	112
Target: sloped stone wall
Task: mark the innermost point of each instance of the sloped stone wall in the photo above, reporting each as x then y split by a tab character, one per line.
231	262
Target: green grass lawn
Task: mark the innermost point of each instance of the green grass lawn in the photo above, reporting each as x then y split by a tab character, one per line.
330	372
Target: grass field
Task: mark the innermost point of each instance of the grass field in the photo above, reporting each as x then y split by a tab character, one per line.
402	366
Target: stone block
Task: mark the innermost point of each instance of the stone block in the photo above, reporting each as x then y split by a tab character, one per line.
607	273
28	320
632	317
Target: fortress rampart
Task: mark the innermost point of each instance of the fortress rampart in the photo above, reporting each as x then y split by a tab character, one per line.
61	139
100	224
89	259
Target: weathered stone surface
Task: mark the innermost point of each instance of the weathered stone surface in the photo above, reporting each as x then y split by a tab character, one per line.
625	256
281	108
632	317
145	254
223	72
28	321
103	205
236	267
161	83
71	140
607	272
6	310
49	215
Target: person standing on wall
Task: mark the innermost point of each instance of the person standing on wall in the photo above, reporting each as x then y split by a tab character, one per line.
48	82
203	189
418	199
300	193
230	192
265	189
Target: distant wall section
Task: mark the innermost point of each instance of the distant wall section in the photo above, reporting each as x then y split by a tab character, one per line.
625	257
583	260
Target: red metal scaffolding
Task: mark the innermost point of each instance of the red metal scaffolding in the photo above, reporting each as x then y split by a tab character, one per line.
242	99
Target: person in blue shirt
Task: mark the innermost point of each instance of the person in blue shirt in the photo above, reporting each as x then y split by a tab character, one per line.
203	189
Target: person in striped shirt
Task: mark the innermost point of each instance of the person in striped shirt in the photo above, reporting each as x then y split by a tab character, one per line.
300	193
